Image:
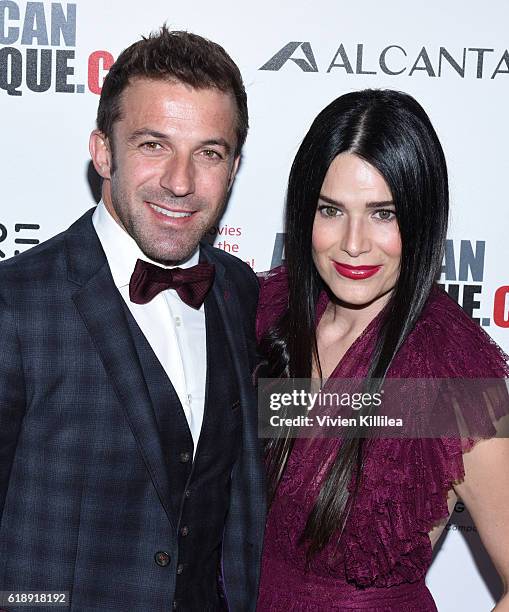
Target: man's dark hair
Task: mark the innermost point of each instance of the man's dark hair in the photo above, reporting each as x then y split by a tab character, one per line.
173	56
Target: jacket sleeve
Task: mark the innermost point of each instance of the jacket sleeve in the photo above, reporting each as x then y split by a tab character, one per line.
12	396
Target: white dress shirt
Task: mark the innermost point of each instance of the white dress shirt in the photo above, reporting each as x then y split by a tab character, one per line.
174	330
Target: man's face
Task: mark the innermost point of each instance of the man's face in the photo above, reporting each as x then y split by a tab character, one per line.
169	165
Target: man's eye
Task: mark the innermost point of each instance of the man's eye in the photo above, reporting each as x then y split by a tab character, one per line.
151	146
329	211
385	214
211	154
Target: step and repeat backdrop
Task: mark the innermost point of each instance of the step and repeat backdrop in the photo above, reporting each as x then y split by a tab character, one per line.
295	57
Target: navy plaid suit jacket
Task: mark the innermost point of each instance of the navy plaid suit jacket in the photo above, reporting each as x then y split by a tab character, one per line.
84	493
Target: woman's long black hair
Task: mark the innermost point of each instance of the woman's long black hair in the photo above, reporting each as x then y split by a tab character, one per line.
392	132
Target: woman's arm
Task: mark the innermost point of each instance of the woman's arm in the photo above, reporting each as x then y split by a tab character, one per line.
485	491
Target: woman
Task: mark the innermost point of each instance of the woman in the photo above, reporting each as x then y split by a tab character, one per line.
352	522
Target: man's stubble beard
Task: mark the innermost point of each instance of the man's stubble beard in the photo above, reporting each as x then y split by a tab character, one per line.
179	246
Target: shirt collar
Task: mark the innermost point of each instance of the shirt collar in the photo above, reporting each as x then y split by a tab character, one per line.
121	250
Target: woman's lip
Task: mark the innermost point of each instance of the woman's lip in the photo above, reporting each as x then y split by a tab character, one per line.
355	272
359	268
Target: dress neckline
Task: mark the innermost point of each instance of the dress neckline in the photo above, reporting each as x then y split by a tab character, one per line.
321	305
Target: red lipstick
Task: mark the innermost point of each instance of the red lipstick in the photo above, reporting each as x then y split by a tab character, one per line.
355	272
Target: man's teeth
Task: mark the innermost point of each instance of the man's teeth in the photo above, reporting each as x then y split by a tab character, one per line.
169	213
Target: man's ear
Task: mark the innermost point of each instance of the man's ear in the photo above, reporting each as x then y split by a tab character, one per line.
233	171
100	152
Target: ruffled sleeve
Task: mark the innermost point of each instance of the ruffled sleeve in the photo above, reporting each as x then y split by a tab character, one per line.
402	497
404	487
447	343
273	300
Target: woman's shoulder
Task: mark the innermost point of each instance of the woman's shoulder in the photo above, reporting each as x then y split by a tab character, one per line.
273	299
446	342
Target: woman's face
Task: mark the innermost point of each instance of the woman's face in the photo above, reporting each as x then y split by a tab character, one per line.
356	241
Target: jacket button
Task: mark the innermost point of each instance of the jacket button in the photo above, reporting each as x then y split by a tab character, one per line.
187	493
184	531
184	457
180	568
162	558
175	605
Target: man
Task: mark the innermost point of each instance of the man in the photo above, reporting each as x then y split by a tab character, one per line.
130	474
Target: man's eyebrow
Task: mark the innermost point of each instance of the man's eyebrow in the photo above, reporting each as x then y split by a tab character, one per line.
218	142
146	132
371	205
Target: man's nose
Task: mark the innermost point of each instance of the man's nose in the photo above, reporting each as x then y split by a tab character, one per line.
178	176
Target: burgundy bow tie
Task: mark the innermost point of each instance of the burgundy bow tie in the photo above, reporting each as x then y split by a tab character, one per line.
191	284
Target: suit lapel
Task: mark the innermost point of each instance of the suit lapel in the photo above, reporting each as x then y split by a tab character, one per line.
244	525
100	306
227	300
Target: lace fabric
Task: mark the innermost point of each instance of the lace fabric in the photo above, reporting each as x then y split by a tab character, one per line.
405	482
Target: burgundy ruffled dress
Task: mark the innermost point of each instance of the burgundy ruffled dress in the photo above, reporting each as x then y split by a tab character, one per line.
385	551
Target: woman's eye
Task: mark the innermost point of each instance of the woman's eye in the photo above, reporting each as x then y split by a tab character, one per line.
385	215
329	211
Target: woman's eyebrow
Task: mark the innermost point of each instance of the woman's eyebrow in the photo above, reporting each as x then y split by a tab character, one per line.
339	204
380	204
331	200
